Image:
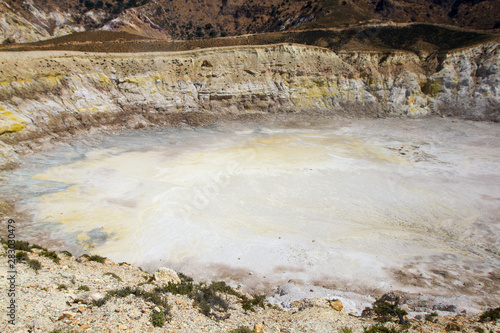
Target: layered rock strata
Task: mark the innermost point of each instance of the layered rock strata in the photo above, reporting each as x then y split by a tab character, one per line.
46	94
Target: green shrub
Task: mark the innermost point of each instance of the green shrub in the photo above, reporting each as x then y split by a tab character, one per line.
246	305
123	292
153	297
179	288
22	246
242	329
345	329
387	307
84	288
158	319
62	287
38	247
97	258
222	287
204	307
51	255
257	300
431	317
210	297
21	256
490	315
66	253
114	275
185	278
207	297
102	301
34	264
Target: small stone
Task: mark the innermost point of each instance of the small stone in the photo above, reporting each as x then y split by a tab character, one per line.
66	314
96	297
258	328
156	309
166	275
83	327
81	308
337	305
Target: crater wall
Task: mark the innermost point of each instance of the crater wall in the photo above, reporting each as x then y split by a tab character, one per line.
48	94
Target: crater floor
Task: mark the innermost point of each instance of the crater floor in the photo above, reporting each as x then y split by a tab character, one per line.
363	206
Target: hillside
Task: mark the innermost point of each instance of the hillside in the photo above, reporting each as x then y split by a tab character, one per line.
184	20
423	40
94	294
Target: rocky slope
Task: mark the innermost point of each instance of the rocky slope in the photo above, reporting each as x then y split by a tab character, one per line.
93	294
47	94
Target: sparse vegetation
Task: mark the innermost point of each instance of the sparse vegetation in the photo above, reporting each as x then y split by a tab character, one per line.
51	255
38	247
84	288
114	276
66	253
96	258
22	246
242	329
431	317
21	256
34	264
345	329
158	318
209	297
387	307
62	287
155	297
383	39
249	303
490	315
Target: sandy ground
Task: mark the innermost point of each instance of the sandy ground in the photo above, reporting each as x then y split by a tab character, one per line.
366	206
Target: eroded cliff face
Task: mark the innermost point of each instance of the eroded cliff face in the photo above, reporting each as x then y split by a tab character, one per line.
46	94
18	28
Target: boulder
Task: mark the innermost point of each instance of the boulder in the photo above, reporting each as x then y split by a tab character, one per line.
337	305
166	275
96	297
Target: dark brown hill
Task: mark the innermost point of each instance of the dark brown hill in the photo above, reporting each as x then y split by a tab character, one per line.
197	19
